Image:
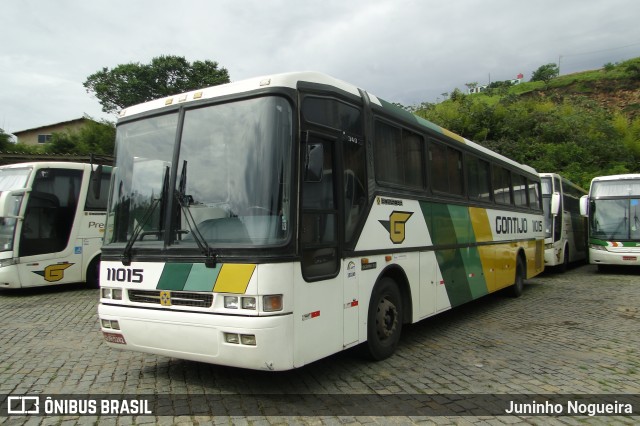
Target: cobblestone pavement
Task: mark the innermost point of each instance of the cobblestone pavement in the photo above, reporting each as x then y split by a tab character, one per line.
570	333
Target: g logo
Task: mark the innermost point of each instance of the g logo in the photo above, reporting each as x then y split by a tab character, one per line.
396	226
53	273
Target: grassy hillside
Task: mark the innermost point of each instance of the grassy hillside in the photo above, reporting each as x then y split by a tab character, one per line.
581	125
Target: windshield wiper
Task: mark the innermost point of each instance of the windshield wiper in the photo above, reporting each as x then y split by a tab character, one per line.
126	253
180	195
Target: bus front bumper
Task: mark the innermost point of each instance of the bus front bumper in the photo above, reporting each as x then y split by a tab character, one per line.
9	276
605	257
260	343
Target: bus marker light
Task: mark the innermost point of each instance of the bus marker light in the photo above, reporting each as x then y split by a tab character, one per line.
388	258
272	303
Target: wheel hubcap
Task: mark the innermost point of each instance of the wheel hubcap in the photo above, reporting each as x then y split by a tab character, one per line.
386	319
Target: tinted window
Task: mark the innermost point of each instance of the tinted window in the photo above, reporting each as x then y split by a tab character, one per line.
479	178
501	185
398	156
519	190
333	113
446	169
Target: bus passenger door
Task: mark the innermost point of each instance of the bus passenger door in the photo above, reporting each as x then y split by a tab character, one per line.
319	289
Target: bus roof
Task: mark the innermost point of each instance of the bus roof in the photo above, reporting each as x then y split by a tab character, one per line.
56	164
291	80
617	177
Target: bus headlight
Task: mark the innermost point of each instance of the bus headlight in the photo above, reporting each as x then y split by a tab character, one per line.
596	247
231	302
249	303
235	302
8	262
111	293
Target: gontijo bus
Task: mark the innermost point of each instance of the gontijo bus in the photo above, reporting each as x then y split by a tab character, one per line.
565	228
613	211
52	217
271	222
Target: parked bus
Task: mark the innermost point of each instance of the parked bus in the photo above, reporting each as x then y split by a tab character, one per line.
613	211
271	222
52	217
565	232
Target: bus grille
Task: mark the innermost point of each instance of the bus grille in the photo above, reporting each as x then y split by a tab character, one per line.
178	298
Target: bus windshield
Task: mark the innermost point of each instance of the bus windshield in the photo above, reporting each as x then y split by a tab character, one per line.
231	184
11	179
616	220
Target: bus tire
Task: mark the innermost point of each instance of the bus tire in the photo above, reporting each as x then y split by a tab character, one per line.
93	273
518	286
565	261
384	321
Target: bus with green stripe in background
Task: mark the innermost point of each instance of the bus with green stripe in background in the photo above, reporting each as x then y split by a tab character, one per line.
613	211
271	222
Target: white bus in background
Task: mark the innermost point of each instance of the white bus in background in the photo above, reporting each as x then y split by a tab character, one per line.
52	217
613	211
565	230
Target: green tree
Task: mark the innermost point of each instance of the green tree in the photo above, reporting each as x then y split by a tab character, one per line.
545	73
5	140
134	83
93	138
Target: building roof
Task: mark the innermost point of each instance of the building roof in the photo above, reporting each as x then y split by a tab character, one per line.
69	122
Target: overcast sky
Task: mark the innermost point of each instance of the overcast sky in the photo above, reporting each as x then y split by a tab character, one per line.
406	51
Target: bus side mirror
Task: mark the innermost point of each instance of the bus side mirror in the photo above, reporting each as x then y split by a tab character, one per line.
584	205
314	163
10	203
555	203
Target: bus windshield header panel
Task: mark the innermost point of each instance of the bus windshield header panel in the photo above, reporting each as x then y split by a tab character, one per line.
227	184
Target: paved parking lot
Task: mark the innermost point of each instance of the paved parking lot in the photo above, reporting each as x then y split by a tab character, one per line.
572	333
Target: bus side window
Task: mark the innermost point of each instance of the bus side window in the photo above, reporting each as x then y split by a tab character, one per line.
50	211
100	203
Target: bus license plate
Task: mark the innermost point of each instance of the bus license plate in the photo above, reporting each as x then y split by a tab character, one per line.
631	258
114	338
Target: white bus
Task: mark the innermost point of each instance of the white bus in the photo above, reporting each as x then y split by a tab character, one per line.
613	211
565	231
271	222
52	218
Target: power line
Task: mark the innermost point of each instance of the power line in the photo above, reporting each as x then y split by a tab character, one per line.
602	50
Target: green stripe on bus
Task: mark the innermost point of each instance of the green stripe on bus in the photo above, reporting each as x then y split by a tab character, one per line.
174	276
461	268
202	278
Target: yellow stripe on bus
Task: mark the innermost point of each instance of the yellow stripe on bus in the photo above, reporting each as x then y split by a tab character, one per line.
480	223
234	278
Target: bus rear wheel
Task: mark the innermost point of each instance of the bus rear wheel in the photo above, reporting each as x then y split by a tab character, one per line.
384	321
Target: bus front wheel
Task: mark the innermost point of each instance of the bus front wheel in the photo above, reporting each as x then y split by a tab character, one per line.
384	321
518	286
93	273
